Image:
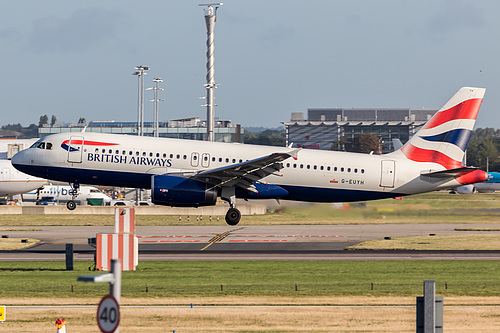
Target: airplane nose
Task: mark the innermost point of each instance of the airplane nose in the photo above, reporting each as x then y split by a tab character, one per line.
19	159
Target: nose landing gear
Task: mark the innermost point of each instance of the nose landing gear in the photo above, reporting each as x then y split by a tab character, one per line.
71	205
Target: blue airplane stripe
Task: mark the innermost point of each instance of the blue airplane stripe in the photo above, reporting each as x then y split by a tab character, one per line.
458	137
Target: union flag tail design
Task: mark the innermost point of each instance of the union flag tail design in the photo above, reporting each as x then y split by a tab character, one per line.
444	138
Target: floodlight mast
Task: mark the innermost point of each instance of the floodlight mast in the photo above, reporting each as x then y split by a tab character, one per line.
140	72
210	18
156	99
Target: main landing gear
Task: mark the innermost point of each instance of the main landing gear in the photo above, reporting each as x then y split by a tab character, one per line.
233	215
71	205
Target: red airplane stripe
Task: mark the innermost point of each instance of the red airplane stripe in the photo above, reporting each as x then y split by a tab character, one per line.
89	143
466	110
426	155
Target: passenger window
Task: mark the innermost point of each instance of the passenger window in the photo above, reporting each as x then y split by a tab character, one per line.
104	151
295	165
111	151
171	155
288	165
130	152
362	170
157	154
124	152
178	156
355	170
137	153
227	160
164	155
213	159
348	169
220	159
321	168
117	152
234	160
335	169
328	168
308	166
315	167
150	154
143	153
342	169
184	157
302	166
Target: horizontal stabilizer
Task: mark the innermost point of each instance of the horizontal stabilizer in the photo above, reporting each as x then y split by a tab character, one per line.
447	173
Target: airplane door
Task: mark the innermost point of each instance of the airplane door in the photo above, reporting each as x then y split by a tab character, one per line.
388	172
205	160
6	174
75	149
195	159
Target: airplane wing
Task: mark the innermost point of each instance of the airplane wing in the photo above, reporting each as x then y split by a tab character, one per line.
244	174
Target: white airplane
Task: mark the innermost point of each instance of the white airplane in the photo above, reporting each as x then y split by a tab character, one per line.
13	182
63	194
194	173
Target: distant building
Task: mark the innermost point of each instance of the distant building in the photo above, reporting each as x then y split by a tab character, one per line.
324	126
188	128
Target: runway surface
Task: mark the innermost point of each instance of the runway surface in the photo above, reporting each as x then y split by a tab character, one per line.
284	242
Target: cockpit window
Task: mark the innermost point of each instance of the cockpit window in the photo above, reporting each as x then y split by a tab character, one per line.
42	145
35	145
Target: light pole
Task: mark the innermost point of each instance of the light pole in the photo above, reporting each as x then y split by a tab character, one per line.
140	72
156	99
210	17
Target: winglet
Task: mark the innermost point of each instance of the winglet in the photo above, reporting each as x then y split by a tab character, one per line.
294	153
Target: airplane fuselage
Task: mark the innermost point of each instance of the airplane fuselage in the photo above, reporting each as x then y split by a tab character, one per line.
318	176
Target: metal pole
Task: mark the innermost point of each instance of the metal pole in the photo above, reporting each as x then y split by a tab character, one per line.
210	18
429	306
115	288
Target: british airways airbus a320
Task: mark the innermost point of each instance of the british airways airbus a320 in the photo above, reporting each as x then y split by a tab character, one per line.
194	173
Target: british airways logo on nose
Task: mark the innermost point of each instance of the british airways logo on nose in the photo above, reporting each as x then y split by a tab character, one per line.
75	145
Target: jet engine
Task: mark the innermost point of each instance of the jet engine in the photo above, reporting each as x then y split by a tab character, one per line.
466	189
181	192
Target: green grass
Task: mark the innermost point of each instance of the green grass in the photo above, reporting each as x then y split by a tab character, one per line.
258	278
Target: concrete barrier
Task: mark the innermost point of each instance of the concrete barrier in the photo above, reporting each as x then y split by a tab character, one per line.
139	210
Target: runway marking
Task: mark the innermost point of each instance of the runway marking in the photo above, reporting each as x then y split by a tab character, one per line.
216	238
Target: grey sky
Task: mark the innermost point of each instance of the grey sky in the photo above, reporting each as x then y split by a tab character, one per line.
75	58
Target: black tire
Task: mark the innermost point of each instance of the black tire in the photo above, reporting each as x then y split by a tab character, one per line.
71	205
233	216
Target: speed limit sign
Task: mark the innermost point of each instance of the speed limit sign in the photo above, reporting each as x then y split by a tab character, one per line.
108	314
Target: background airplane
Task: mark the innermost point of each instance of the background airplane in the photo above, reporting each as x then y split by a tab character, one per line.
13	182
62	194
194	173
491	185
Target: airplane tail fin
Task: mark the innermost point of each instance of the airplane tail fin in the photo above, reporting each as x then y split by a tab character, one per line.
444	138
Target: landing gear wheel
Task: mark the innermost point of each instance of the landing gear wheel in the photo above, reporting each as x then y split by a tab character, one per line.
233	216
71	205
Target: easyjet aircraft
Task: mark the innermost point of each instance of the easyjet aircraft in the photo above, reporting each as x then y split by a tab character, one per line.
194	173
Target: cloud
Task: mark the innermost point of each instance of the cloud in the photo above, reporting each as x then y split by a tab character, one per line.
455	15
83	29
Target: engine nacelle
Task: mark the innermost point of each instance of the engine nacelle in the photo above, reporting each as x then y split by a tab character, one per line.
181	192
465	189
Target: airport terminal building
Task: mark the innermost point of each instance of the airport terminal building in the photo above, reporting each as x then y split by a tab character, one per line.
324	126
188	128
